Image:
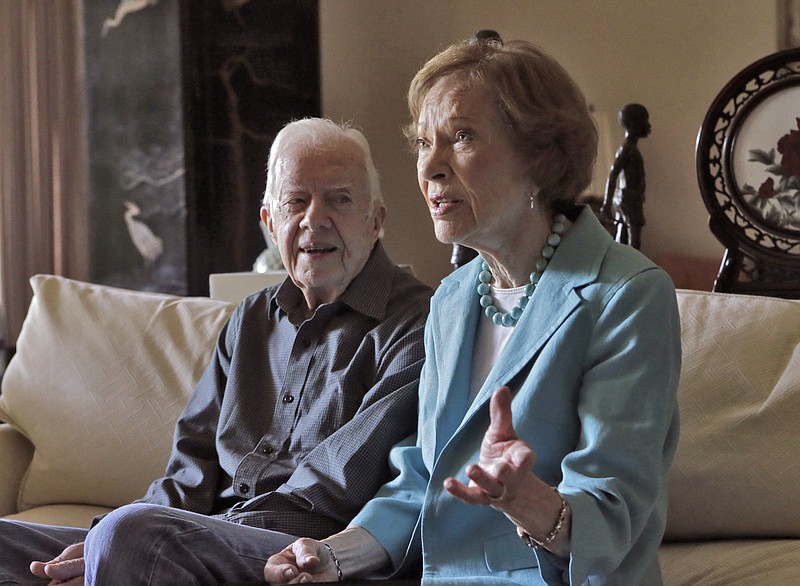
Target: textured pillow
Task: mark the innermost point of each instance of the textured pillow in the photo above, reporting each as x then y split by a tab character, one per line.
97	383
736	471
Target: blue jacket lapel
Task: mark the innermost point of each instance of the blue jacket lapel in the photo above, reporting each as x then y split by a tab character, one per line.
575	265
454	339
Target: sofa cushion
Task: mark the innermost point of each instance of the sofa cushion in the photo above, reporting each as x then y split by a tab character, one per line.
720	563
98	380
15	458
61	515
735	472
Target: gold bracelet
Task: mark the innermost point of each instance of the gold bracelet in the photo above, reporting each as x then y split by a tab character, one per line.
534	543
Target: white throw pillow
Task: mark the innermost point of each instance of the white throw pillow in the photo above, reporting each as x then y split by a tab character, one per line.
736	470
98	380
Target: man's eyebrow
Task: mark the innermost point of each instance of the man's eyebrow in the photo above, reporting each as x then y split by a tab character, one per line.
291	187
341	186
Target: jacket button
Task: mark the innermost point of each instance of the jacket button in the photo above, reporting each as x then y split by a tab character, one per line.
244	488
288	398
267	449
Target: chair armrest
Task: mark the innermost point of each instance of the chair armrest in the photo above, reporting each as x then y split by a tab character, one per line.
16	453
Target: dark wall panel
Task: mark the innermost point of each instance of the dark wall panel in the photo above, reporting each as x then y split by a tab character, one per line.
248	71
137	199
185	98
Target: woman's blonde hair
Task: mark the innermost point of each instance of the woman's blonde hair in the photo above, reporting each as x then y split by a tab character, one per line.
545	111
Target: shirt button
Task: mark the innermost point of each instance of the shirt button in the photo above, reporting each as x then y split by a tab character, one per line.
288	398
244	488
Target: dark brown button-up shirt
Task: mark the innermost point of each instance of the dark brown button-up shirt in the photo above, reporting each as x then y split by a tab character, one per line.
290	426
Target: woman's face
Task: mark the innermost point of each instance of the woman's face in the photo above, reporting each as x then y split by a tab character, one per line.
473	180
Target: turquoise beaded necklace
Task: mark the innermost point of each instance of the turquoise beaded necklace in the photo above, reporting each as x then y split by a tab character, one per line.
510	319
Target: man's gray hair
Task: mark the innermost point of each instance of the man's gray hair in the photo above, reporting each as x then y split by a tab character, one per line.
319	133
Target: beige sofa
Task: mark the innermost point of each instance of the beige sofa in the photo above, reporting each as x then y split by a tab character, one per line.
100	376
92	395
734	511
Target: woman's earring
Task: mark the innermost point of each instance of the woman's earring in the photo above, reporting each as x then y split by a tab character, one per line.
532	196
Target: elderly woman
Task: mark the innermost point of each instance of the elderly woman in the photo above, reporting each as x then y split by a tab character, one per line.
548	415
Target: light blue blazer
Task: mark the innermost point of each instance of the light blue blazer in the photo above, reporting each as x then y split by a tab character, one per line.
593	365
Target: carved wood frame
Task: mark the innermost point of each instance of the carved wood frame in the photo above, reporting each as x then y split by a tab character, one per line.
762	256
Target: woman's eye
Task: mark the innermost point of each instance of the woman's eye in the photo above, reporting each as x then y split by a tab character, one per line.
420	143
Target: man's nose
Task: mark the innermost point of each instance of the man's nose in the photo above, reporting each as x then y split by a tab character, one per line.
317	216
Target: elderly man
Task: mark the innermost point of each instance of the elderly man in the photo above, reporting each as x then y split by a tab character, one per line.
288	431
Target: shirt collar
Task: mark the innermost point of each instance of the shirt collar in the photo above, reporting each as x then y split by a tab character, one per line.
367	293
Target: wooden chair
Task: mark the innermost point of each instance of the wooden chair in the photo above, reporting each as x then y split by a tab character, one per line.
748	167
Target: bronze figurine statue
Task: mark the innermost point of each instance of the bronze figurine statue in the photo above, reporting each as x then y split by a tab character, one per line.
623	206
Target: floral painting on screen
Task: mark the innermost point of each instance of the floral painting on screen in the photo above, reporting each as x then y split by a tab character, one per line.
777	198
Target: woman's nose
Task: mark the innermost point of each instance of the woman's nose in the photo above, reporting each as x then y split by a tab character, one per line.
317	216
433	165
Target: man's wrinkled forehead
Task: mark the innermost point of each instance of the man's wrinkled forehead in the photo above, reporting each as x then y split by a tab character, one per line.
338	165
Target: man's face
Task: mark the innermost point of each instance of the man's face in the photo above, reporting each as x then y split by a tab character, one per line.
322	218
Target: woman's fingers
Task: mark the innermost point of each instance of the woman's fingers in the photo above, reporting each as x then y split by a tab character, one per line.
469	494
504	463
501	427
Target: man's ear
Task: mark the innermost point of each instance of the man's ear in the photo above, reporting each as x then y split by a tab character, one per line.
380	220
266	217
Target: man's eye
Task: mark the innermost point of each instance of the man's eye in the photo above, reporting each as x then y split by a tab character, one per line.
463	136
293	203
343	198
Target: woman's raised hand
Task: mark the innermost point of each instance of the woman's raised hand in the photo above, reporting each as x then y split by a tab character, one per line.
301	562
504	469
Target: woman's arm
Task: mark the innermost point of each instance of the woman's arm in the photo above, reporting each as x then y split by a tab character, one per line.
352	552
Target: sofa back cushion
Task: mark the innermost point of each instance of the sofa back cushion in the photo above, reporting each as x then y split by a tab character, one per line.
98	380
736	471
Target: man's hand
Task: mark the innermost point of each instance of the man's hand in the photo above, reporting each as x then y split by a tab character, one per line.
66	569
302	562
504	469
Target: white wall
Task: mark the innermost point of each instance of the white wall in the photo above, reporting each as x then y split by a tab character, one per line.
673	56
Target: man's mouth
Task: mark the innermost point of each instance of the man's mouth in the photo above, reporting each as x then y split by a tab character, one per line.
317	250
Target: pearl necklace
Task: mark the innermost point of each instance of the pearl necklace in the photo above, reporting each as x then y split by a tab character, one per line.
510	319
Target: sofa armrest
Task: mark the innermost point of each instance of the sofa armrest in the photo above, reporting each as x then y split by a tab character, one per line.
15	457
